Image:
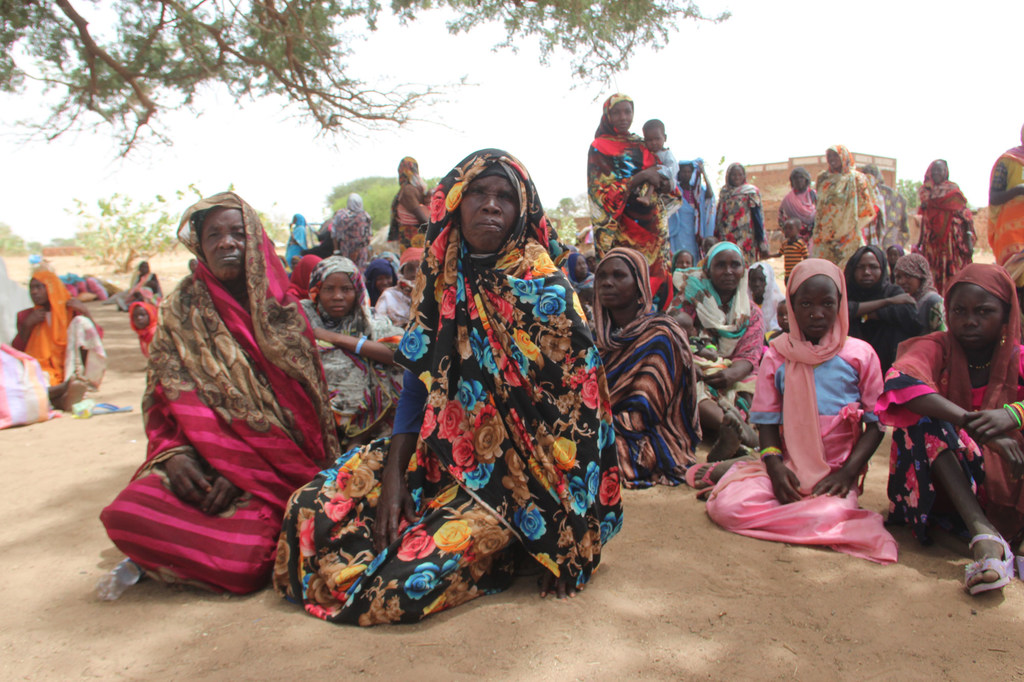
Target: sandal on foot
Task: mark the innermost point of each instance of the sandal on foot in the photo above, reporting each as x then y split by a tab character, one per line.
1002	567
704	482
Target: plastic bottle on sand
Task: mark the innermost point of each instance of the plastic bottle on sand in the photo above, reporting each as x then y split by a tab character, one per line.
113	584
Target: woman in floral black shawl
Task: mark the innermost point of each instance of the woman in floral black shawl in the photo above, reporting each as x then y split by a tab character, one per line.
515	446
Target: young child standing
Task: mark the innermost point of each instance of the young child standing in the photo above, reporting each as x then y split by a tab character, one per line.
654	139
957	452
795	249
825	384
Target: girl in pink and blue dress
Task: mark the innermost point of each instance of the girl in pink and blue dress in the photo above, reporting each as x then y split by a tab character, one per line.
824	383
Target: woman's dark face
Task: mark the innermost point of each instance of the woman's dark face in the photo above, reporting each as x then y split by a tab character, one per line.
939	172
222	243
621	116
337	295
815	307
868	271
757	283
684	175
892	255
799	183
736	176
382	281
489	209
908	283
726	271
684	259
976	317
835	164
140	317
581	269
615	285
37	292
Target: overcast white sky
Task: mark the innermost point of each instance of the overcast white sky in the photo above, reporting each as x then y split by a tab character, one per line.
916	80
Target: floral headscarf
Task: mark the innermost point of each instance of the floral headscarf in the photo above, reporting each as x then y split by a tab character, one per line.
518	409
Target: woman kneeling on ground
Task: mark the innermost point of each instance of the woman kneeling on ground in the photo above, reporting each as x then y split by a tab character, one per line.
356	349
955	397
503	444
729	333
235	408
650	375
814	406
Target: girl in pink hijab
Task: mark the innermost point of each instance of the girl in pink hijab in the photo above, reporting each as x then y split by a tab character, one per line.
804	488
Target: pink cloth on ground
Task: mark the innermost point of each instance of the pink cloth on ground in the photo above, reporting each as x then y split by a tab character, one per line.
743	501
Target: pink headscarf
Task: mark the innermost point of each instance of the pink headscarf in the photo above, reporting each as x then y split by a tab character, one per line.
804	445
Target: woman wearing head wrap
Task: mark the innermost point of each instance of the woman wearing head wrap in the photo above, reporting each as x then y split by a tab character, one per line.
765	293
235	409
1006	211
880	312
352	230
846	207
395	302
729	337
801	203
300	237
740	219
579	272
143	318
298	282
409	207
695	219
356	350
814	404
380	274
957	456
915	278
58	331
947	226
617	164
503	441
650	375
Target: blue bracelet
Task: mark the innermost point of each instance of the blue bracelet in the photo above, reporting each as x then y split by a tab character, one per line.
359	345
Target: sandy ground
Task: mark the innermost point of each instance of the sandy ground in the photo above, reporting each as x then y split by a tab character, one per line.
676	597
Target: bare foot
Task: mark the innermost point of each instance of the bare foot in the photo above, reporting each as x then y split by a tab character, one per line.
560	587
733	419
74	393
725	446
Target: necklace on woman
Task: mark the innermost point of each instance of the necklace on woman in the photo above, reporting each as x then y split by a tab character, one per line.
979	367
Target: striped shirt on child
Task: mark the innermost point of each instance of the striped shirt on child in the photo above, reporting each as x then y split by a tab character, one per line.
793	253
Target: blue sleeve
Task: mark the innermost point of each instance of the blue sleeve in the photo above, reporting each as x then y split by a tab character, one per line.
411	403
757	219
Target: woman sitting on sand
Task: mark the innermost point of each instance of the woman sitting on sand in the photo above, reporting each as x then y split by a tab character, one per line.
503	442
58	331
958	453
816	392
729	332
235	412
650	375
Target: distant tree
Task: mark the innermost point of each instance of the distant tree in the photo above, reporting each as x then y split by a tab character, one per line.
564	216
63	242
377	194
154	55
908	189
11	244
125	230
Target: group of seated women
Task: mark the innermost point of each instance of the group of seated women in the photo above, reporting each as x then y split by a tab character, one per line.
514	426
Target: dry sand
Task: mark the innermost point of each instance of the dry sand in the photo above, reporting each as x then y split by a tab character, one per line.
676	597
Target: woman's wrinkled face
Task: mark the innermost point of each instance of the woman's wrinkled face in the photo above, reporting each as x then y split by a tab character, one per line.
140	317
757	283
908	283
736	176
815	307
615	285
337	295
799	183
835	164
621	116
37	292
976	317
489	209
726	271
939	172
868	271
222	243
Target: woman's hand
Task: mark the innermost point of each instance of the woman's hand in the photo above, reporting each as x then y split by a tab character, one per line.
1009	449
987	424
785	484
36	317
394	505
188	482
720	380
222	493
901	299
837	484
